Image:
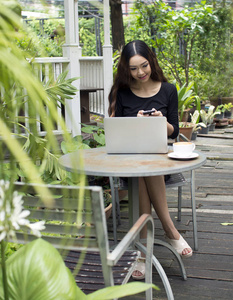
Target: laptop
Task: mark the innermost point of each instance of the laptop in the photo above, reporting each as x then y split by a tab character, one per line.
125	135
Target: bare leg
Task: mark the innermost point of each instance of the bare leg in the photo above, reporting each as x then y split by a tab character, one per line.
154	189
144	208
144	202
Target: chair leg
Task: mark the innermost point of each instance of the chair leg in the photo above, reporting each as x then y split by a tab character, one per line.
118	211
179	202
116	217
193	204
194	216
111	181
177	256
163	277
160	271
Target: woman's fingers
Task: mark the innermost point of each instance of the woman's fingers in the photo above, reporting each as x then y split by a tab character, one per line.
156	113
140	113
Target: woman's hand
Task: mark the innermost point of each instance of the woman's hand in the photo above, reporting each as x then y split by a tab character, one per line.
156	113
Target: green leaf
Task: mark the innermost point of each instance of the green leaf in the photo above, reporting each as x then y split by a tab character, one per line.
89	128
61	89
71	146
99	138
226	224
128	289
37	272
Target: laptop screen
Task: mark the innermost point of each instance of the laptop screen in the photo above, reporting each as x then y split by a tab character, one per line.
136	135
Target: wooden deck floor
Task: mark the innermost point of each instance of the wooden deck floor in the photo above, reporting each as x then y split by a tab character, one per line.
210	269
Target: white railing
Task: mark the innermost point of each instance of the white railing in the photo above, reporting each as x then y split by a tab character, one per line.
91	70
92	76
45	69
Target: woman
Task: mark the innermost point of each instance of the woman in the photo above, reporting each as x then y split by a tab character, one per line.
140	85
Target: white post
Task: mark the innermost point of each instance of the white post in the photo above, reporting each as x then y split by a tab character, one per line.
73	51
107	54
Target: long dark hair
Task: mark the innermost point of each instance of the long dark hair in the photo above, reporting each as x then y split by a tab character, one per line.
123	78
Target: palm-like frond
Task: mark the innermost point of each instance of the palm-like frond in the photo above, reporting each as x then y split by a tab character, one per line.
19	85
61	88
186	98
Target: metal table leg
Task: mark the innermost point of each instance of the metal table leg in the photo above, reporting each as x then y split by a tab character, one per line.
194	216
133	200
113	210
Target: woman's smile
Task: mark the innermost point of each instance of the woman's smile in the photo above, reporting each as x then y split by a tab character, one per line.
143	77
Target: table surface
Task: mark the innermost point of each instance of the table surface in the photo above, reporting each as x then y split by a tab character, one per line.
97	162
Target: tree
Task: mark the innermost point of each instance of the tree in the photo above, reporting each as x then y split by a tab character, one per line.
118	39
176	33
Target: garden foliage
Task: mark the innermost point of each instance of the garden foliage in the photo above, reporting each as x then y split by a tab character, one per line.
192	43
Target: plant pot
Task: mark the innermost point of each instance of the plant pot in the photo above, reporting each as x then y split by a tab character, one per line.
107	202
122	194
227	114
212	127
194	136
204	130
187	131
108	211
220	116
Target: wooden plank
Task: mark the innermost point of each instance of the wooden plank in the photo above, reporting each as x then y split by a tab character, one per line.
210	269
216	136
193	288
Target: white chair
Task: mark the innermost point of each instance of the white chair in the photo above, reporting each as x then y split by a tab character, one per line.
76	225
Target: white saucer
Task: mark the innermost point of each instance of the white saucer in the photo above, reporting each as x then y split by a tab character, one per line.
175	156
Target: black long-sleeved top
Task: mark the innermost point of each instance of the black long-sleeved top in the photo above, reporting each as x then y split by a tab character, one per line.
166	101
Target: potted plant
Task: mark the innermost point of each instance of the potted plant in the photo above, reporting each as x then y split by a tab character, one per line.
205	120
220	119
197	125
186	100
227	110
186	128
107	203
211	114
221	109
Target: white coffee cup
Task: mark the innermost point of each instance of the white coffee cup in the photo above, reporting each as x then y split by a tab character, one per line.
183	149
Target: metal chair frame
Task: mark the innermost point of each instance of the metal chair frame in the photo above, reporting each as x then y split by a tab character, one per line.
82	227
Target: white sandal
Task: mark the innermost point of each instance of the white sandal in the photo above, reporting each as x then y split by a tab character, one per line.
179	246
140	266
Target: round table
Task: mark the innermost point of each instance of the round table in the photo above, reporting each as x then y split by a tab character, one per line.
97	162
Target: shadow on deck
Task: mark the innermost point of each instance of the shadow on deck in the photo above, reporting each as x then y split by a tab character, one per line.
210	269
